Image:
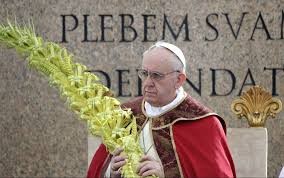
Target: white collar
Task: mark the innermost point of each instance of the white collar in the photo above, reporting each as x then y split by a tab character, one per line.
152	111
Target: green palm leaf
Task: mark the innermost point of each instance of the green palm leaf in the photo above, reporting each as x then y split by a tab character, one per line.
84	94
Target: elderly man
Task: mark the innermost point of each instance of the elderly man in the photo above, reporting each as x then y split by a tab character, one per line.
180	136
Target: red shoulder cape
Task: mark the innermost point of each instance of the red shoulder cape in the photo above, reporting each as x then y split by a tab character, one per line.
97	165
201	146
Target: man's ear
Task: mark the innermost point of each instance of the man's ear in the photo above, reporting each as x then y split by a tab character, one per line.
180	80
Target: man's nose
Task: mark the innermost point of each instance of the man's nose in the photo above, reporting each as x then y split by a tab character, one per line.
148	81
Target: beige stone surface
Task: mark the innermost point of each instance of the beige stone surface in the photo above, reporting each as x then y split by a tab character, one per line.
41	137
249	147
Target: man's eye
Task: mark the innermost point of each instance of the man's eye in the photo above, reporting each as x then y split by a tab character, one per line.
156	75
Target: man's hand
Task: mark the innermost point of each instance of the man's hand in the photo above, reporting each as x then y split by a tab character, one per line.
148	166
117	161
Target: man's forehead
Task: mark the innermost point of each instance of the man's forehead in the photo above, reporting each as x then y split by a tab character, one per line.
157	59
158	54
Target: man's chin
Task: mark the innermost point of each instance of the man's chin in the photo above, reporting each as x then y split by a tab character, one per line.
150	95
149	100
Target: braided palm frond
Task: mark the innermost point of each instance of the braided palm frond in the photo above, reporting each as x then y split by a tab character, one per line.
85	96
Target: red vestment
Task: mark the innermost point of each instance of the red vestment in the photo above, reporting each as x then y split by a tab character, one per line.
189	139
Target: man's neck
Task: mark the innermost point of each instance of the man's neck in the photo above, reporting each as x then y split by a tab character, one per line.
166	102
153	111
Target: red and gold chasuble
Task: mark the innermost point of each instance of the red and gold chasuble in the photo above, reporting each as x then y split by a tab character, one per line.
189	140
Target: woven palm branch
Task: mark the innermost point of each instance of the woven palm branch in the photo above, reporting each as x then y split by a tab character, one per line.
85	95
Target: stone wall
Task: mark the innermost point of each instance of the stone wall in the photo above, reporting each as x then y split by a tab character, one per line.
229	45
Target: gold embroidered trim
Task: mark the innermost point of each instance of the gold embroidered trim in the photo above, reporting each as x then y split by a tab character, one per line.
154	146
184	119
105	166
143	125
175	151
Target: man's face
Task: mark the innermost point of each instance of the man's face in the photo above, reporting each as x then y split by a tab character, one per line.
163	91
